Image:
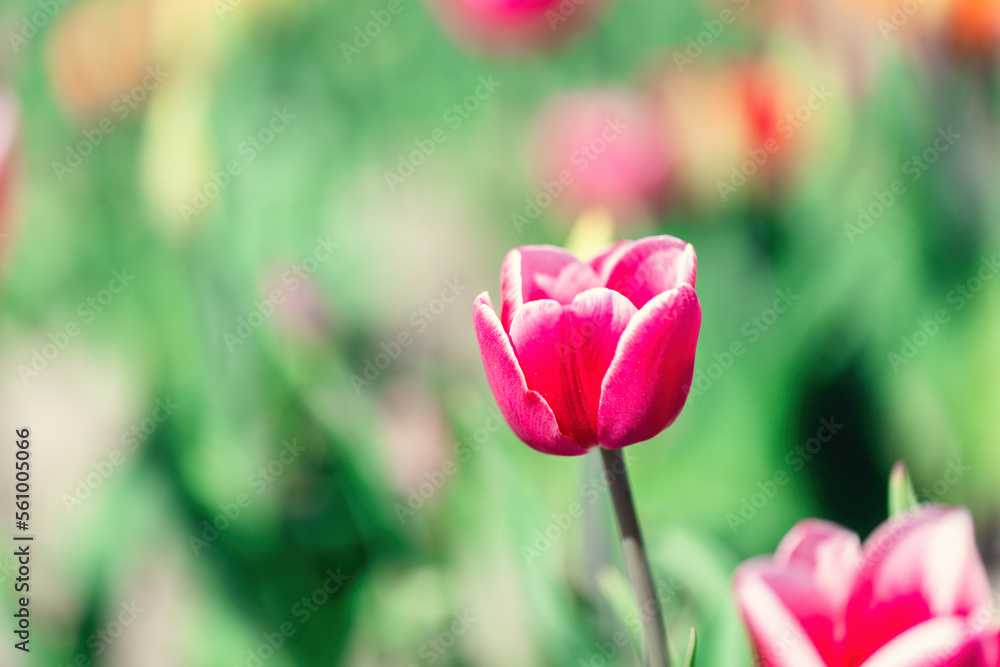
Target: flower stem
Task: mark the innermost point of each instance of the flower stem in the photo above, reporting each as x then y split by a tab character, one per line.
653	630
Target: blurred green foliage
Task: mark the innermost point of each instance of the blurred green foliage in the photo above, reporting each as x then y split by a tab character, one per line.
336	507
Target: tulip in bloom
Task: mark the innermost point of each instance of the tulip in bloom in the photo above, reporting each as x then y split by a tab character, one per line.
914	595
597	352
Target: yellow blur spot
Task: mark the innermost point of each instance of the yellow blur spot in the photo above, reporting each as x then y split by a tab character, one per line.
594	229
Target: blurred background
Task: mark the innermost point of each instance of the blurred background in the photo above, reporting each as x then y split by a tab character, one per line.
239	244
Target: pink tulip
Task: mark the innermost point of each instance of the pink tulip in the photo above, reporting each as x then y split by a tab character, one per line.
598	352
914	595
513	25
8	141
604	149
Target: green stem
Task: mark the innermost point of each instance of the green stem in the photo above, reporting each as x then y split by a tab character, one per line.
653	629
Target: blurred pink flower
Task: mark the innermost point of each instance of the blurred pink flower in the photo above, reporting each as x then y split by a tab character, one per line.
513	25
602	149
915	594
416	442
8	144
586	353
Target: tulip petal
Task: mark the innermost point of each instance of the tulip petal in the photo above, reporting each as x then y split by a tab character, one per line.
530	273
652	266
527	413
939	642
830	553
916	566
814	567
564	352
778	637
650	376
608	256
810	575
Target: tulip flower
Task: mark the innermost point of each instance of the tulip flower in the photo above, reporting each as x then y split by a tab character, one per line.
512	25
8	140
602	149
598	352
100	51
974	26
915	594
742	129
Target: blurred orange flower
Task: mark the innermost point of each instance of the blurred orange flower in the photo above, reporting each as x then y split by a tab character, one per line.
99	50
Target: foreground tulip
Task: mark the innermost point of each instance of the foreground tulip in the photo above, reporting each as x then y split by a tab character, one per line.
914	595
512	25
598	352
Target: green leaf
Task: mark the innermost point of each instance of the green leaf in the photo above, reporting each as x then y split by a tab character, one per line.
692	649
617	591
902	497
